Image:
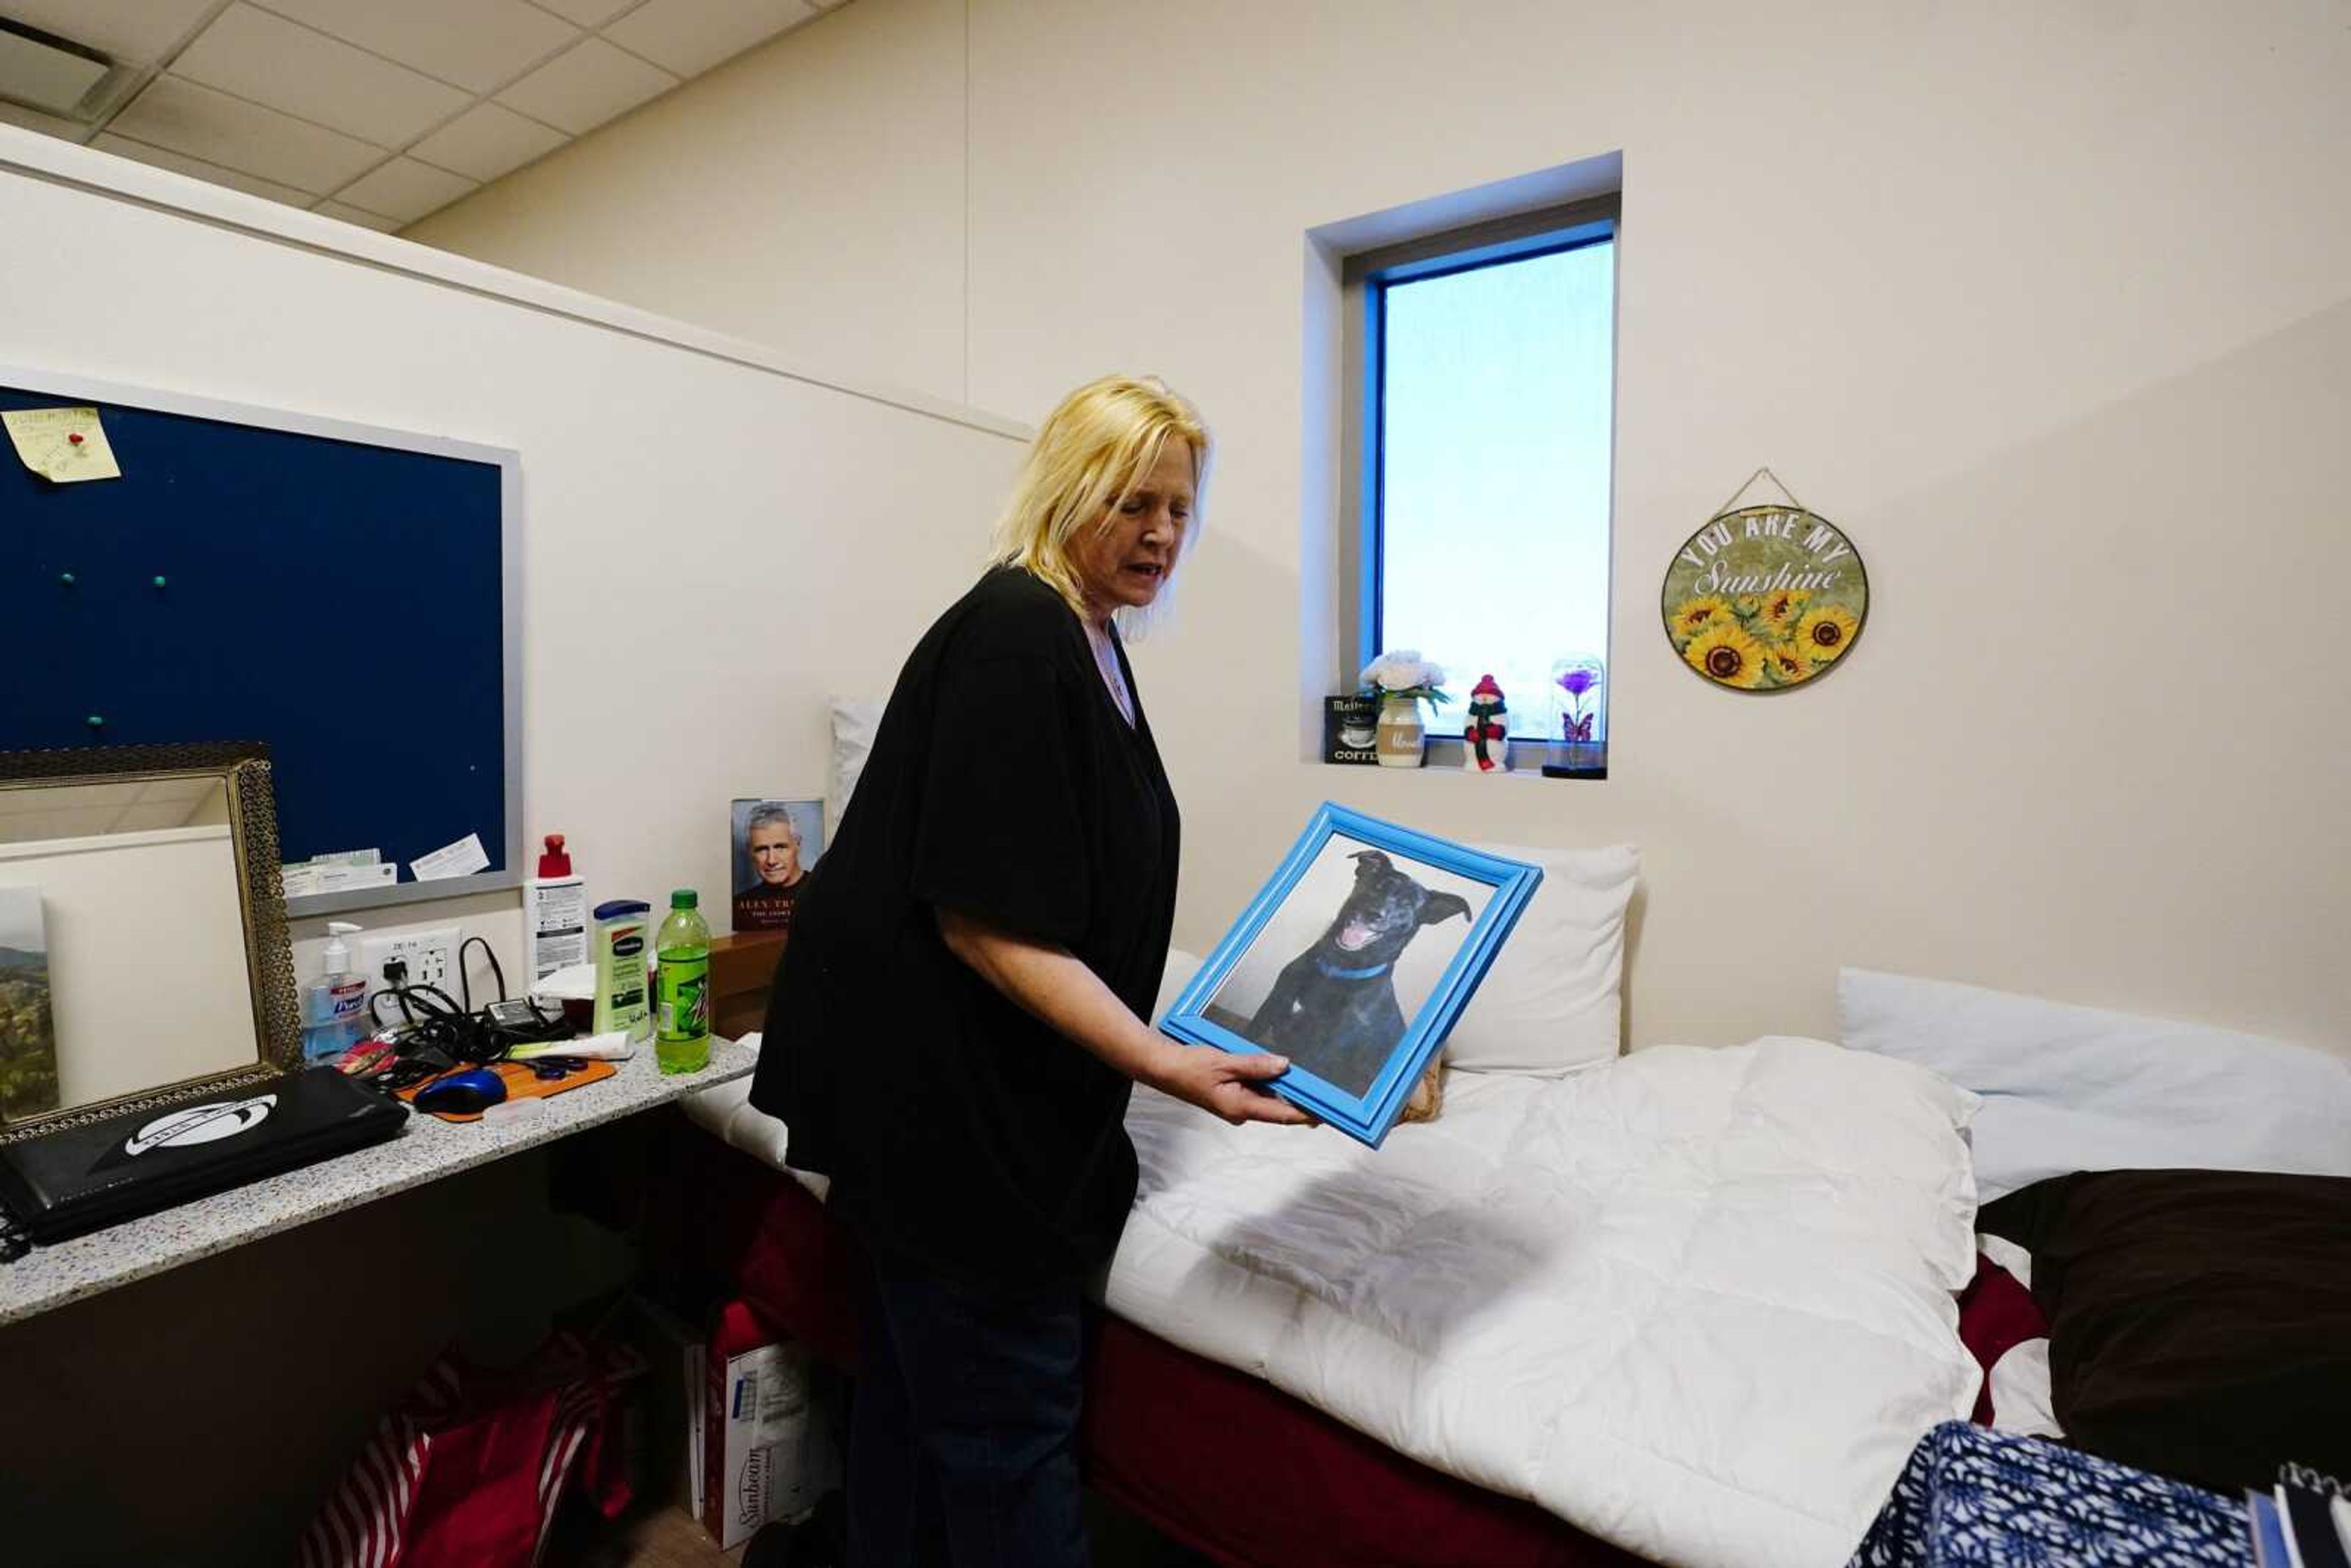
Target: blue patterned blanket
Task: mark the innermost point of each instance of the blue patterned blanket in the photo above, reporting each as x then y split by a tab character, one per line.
1971	1497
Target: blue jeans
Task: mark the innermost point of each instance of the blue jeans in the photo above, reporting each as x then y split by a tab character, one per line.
963	1443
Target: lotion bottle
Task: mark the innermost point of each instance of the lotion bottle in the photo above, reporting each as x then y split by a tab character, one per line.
621	938
334	1006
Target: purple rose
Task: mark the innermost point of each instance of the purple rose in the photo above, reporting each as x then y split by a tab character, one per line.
1579	681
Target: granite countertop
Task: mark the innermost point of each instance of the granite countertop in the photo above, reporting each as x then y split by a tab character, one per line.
426	1149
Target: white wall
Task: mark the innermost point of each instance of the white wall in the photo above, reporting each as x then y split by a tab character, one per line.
856	133
711	543
2045	304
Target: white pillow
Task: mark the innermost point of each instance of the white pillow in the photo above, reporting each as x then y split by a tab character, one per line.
2075	1088
1548	1006
853	724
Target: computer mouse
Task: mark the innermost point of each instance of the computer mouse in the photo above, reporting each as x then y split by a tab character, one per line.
476	1089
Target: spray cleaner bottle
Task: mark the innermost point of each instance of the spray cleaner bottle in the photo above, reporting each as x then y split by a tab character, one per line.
555	906
334	1006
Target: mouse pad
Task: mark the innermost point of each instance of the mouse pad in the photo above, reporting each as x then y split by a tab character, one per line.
521	1084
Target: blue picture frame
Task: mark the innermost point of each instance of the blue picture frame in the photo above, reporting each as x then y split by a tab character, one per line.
1311	999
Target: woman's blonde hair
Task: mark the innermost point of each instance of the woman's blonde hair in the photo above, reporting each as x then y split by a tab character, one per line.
1088	455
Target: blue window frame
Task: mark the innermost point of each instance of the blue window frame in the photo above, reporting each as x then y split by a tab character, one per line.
1488	432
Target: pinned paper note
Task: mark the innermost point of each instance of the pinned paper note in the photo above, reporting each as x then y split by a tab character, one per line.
463	858
63	445
344	870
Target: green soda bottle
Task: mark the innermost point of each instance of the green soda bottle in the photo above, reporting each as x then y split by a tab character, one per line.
682	1039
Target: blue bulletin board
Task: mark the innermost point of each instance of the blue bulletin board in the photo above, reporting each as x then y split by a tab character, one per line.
346	594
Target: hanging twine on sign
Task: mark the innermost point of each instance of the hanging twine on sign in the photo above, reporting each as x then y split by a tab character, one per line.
1760	474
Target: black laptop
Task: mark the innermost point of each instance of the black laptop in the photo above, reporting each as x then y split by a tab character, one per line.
64	1183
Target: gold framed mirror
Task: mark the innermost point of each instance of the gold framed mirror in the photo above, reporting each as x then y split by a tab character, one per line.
143	949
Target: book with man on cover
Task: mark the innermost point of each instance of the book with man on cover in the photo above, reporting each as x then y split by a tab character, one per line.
772	848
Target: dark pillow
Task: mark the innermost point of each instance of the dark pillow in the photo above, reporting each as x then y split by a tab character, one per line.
2200	1321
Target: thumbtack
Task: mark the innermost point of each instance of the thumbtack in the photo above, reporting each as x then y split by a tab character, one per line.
65	579
73	436
97	721
162	581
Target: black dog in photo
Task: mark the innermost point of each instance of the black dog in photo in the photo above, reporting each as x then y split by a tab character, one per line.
1333	1007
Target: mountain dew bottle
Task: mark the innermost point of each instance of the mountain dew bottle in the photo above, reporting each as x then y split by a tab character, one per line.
682	1038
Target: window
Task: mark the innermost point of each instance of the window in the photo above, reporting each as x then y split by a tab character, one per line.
1486	447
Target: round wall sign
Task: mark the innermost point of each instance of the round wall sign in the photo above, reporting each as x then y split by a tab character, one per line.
1765	598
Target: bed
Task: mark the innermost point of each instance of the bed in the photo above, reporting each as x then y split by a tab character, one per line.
1697	1306
1693	1305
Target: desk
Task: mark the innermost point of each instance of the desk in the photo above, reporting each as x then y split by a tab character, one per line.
426	1149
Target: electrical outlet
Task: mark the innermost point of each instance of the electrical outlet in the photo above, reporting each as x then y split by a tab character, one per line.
431	955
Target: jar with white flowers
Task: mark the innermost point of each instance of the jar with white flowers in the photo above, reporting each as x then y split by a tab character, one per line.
1403	680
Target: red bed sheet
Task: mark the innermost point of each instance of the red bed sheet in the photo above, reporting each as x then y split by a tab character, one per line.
1218	1460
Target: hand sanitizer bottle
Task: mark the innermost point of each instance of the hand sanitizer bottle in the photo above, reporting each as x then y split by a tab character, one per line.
334	1008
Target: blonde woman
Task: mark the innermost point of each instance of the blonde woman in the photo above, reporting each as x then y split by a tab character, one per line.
959	1017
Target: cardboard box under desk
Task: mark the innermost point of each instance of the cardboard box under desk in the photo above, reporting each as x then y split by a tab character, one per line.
766	1454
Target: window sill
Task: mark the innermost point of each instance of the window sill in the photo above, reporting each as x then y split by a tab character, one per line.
1528	759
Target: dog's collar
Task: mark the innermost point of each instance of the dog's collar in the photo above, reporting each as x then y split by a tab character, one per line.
1332	972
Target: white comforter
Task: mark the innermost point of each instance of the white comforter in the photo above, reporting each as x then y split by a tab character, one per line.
1698	1303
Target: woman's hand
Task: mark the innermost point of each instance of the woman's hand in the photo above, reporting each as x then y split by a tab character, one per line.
1224	1083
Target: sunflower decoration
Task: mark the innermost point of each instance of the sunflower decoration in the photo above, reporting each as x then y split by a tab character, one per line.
1692	616
1779	612
1787	662
1723	653
1825	633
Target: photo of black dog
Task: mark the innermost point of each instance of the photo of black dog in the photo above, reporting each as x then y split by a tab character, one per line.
1332	1009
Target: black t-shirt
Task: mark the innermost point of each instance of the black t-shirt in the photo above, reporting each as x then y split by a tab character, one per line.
964	1136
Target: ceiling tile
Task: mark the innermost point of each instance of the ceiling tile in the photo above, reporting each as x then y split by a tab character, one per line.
487	140
587	13
403	189
47	124
585	85
46	76
185	118
353	216
689	36
478	44
142	31
287	66
180	163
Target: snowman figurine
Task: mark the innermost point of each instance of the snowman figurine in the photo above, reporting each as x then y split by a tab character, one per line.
1486	738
